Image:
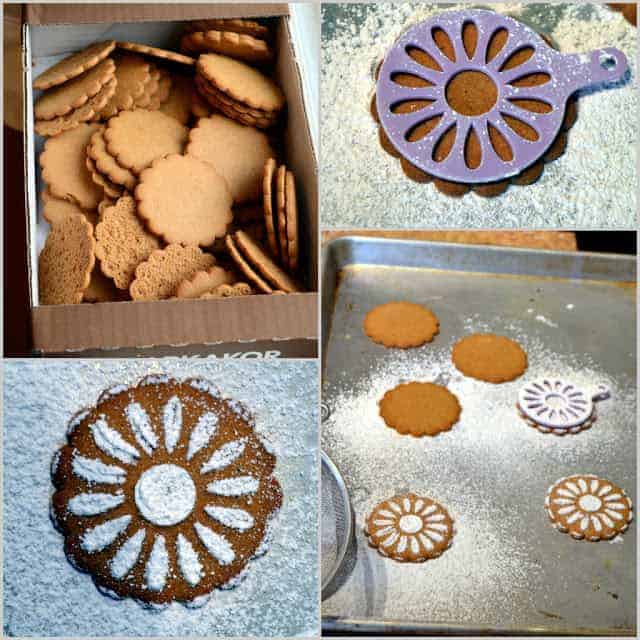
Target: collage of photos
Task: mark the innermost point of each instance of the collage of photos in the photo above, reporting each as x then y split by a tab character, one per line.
319	319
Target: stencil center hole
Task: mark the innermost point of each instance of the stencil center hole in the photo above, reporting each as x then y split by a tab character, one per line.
556	401
471	93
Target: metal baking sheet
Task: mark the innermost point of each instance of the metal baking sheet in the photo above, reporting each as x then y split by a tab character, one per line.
508	571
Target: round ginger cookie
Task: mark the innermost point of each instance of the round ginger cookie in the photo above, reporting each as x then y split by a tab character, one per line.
164	491
64	168
159	276
401	324
244	266
73	94
291	211
205	281
136	138
156	52
410	528
488	357
281	215
270	206
184	200
588	507
133	73
74	65
236	25
55	210
228	43
122	242
237	152
420	409
106	163
66	261
241	82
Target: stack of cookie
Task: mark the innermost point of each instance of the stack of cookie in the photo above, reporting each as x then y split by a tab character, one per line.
144	207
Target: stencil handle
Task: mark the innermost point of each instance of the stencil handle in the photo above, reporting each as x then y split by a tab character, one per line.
587	69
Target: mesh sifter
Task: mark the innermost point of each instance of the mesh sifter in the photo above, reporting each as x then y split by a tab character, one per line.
337	521
476	97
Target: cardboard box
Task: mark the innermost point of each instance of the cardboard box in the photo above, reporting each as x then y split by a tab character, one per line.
263	325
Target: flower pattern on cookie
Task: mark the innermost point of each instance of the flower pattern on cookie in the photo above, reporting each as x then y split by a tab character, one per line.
410	528
588	507
164	491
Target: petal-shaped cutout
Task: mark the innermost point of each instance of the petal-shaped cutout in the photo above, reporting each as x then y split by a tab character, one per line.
238	486
568	509
443	42
410	106
100	537
157	568
595	522
613	496
517	58
406	505
436	517
423	58
109	441
224	456
188	561
444	145
521	128
234	518
202	433
415	548
528	104
218	546
402	544
91	504
395	507
172	422
430	509
390	540
417	505
383	522
409	80
503	150
97	471
472	150
469	38
422	129
127	555
583	485
434	535
584	523
614	514
607	520
426	543
574	516
496	43
380	533
141	427
531	80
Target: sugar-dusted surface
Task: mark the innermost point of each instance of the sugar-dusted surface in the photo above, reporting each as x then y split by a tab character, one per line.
591	185
45	595
507	566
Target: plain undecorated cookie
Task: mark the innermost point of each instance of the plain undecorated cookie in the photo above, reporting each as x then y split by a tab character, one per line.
420	409
237	152
122	242
159	276
401	324
64	168
410	528
66	261
489	357
184	200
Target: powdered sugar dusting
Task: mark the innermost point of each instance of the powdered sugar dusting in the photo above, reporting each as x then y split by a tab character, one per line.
278	598
188	561
158	565
202	433
172	421
91	504
224	456
127	555
592	185
235	518
217	545
104	534
141	426
97	471
236	486
112	443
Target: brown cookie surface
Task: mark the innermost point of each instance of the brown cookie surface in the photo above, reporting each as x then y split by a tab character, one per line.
410	528
489	357
270	206
204	282
159	276
229	43
66	261
588	507
420	409
156	52
401	324
164	491
185	200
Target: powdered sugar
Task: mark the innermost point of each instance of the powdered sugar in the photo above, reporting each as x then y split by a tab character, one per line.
202	433
104	534
188	560
217	545
172	421
112	443
127	555
141	427
97	471
234	518
592	185
158	565
236	486
224	456
91	504
44	595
